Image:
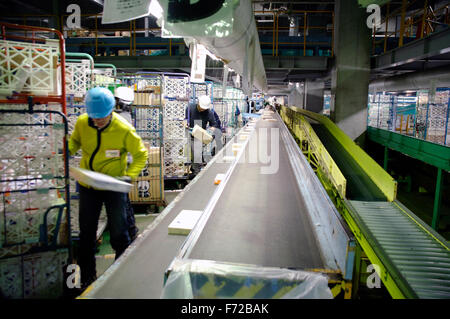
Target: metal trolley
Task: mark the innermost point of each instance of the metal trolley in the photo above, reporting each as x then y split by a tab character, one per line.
35	228
148	120
175	99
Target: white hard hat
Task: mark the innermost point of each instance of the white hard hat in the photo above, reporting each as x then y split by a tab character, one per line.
204	102
124	93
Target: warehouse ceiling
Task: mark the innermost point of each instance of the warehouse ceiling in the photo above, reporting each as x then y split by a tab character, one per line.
38	12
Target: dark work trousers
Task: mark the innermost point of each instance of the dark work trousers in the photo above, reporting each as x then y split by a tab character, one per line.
91	202
132	228
197	159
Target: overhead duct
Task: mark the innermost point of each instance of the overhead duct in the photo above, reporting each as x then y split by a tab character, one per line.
434	78
234	39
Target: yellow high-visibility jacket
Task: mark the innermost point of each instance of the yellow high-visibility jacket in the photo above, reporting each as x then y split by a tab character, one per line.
105	151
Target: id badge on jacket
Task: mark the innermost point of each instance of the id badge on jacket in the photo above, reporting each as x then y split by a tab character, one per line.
112	153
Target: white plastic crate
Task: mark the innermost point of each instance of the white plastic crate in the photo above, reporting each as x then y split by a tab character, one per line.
147	122
174	129
78	77
29	67
174	109
176	87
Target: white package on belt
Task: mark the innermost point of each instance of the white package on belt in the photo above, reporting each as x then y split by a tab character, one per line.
201	134
184	222
99	181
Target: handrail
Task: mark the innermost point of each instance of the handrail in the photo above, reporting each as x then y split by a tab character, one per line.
276	29
81	55
303	131
378	175
107	65
418	17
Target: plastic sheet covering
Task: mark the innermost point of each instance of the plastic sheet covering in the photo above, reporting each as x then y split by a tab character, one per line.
199	279
203	18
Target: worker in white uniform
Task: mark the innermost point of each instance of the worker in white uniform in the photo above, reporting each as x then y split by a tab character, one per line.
124	98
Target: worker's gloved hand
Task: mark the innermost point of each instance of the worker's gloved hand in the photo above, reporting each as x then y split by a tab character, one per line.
126	179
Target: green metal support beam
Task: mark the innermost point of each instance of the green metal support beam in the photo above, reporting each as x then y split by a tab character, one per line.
430	153
312	63
437	201
434	44
386	158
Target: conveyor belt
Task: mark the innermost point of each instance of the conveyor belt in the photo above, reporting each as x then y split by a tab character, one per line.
261	219
359	184
258	219
418	259
139	272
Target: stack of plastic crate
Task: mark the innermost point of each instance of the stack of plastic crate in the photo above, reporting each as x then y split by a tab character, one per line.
372	113
405	114
31	171
199	89
218	103
176	94
78	78
421	114
438	117
102	79
147	109
30	68
75	107
34	228
148	188
230	98
385	117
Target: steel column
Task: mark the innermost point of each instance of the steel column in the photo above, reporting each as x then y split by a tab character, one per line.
437	200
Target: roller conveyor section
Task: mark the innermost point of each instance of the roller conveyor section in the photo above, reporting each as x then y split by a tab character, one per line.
359	185
282	219
413	259
418	259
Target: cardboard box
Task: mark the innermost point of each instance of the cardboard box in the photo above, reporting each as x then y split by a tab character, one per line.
147	99
201	134
236	147
147	189
149	186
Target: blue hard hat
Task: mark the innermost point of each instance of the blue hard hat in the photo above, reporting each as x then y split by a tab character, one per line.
100	102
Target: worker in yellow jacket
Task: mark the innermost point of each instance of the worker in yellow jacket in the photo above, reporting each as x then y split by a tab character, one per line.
105	138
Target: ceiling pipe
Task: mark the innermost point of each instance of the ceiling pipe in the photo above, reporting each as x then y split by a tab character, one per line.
234	50
439	77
